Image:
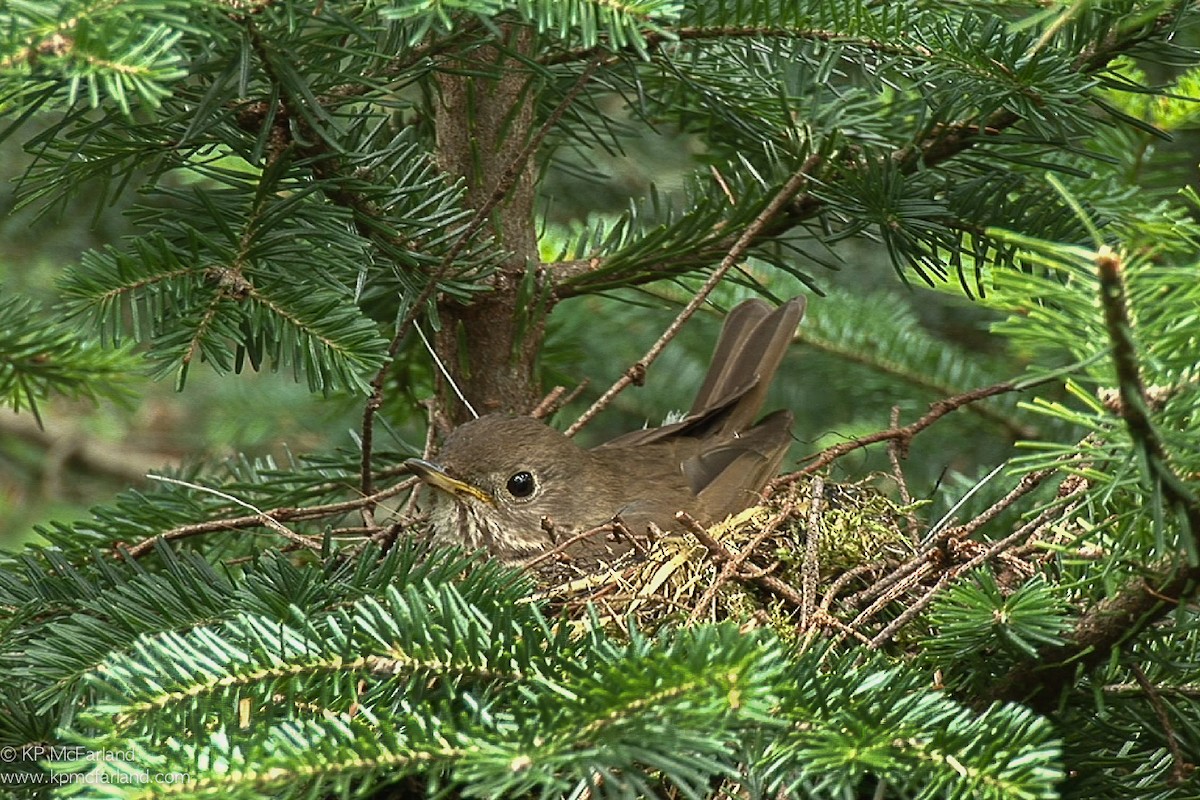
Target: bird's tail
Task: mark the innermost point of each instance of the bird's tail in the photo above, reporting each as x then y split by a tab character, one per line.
751	346
737	456
752	343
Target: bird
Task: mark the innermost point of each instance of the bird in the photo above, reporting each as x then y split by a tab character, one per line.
517	487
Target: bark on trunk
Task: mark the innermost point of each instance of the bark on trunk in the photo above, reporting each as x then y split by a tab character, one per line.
490	347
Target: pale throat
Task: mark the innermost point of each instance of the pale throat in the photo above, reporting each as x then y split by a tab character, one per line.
472	524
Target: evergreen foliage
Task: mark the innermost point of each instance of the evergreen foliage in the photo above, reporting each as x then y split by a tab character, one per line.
37	362
319	181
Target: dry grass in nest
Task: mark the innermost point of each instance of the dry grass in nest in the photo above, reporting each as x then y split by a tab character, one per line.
763	565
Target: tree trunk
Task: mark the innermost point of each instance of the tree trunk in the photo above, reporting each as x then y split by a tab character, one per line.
490	346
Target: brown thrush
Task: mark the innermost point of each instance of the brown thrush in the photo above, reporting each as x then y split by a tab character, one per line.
518	487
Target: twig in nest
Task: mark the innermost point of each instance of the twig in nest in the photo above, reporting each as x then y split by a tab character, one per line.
841	581
719	552
622	530
810	569
885	583
894	456
1013	539
932	534
733	566
912	572
893	592
1026	485
822	618
563	545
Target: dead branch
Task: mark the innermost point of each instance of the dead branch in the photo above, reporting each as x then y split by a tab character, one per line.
280	514
745	241
902	436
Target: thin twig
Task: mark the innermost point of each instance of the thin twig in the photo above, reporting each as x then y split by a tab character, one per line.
936	539
549	403
733	565
1188	690
822	619
936	528
257	519
894	458
811	568
264	517
556	399
431	427
622	530
902	435
1180	768
841	581
1016	537
637	372
1027	484
885	583
895	590
563	545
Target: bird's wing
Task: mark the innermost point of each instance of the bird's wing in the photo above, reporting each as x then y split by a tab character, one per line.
728	476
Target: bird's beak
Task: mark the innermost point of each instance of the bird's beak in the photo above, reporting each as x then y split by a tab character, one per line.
437	477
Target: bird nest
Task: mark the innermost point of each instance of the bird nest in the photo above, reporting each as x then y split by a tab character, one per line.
766	564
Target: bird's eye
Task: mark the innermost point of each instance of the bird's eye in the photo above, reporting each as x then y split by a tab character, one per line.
521	484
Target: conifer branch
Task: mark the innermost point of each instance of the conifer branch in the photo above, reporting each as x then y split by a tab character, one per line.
264	517
1162	586
655	41
943	142
326	166
1180	768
